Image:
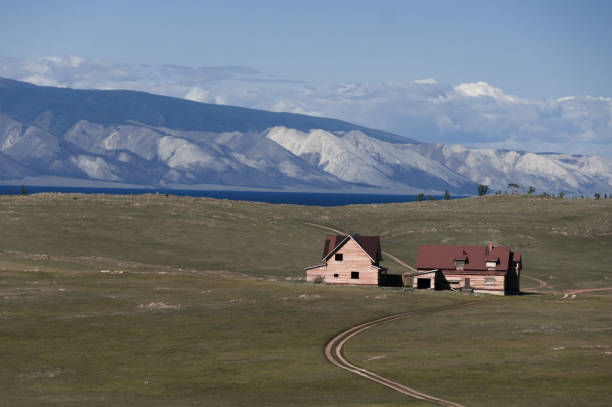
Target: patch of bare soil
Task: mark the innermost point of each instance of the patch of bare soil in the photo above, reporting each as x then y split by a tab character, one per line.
158	305
40	373
309	296
376	357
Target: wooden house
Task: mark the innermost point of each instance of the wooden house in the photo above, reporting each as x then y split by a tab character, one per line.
494	270
349	259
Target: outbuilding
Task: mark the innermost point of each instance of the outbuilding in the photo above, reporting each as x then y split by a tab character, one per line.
489	269
349	259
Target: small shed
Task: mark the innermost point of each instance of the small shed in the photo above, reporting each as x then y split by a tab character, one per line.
349	259
490	269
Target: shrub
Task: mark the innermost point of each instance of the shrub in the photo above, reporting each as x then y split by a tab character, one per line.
482	189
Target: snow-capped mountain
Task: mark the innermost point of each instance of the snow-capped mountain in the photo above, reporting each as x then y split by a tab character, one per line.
137	138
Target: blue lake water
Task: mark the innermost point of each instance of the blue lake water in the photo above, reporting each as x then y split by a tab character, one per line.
296	198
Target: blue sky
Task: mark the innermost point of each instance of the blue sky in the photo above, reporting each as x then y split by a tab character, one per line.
530	48
278	51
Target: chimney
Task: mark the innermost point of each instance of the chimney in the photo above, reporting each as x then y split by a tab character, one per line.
490	248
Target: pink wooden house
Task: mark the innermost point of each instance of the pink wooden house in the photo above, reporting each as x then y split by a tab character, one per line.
349	259
488	269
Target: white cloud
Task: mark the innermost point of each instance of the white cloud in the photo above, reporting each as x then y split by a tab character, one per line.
477	89
197	94
475	114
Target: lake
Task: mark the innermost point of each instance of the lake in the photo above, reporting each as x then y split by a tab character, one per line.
295	198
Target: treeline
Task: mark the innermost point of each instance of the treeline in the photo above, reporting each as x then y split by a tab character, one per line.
515	188
11	191
421	197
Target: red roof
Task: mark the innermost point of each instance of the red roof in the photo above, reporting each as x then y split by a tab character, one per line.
370	244
443	257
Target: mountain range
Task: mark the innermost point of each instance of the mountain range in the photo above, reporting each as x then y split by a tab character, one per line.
48	134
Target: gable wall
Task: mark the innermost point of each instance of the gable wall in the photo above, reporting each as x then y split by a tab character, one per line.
354	259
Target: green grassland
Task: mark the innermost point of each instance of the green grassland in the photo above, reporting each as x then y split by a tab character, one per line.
154	300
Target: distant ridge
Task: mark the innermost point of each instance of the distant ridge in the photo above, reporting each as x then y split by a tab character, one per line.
135	138
26	102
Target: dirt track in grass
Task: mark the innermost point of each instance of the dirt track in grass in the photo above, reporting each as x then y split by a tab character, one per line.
333	353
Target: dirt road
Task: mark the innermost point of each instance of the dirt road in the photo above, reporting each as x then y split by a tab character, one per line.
536	290
571	294
333	353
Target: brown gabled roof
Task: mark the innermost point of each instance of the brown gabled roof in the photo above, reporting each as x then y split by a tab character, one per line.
331	242
443	257
369	244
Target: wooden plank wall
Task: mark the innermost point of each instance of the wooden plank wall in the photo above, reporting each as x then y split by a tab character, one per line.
354	259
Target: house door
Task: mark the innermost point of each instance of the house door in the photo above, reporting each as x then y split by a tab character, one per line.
423	283
467	283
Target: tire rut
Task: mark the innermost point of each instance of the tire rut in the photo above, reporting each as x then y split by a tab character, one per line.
334	353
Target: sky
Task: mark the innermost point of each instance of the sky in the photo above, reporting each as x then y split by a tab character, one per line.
529	75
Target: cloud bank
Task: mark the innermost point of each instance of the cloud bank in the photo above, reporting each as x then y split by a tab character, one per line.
475	114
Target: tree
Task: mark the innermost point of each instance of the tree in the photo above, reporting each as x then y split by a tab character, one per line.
561	195
596	195
419	197
482	189
22	190
531	190
446	195
513	186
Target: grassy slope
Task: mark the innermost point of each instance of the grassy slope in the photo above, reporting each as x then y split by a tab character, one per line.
207	309
527	351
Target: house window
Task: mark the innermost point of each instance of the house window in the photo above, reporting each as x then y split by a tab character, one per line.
489	280
454	282
423	283
336	275
354	275
338	257
491	264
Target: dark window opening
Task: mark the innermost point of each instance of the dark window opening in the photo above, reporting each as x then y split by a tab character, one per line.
355	275
454	282
338	257
336	275
424	283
